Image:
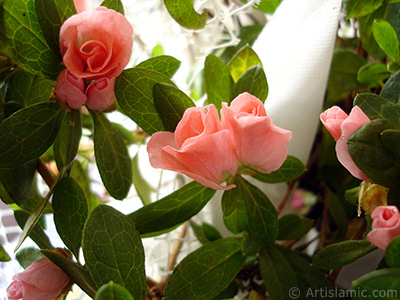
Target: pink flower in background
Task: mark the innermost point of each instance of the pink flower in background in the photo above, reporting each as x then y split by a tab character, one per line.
258	143
82	5
342	126
100	94
70	89
385	226
200	148
42	280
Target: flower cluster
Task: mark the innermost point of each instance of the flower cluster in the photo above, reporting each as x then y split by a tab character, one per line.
95	46
210	150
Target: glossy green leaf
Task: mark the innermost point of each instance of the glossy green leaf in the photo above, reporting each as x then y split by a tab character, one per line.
205	232
113	250
277	273
114	4
367	151
134	92
67	141
70	213
217	81
173	209
113	291
112	157
28	133
391	141
206	272
387	38
373	73
359	8
27	256
340	254
290	170
262	219
28	89
245	59
76	272
4	255
164	64
337	214
37	233
253	82
51	15
250	247
184	13
392	253
292	227
234	210
170	103
142	187
23	41
391	89
380	284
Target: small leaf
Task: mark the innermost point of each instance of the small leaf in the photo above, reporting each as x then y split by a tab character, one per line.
115	5
78	274
112	157
392	253
27	256
245	59
262	219
234	210
113	250
391	89
142	187
387	39
338	214
290	170
250	247
3	254
183	13
357	8
173	209
164	64
134	93
170	103
373	73
217	81
254	82
292	227
67	141
28	133
340	254
207	271
70	213
113	291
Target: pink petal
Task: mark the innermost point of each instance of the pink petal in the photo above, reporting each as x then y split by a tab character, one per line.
70	89
332	119
100	94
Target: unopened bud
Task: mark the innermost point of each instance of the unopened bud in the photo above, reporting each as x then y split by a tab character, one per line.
371	196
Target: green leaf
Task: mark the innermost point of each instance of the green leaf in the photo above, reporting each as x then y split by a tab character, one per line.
183	13
244	60
170	103
28	133
114	4
27	256
373	73
207	271
173	209
391	89
290	170
134	92
391	141
340	254
338	214
78	274
234	210
37	233
3	254
392	253
292	227
51	15
205	232
70	213
142	187
112	157
164	64
359	8
113	250
23	41
268	6
277	273
28	89
113	291
262	219
387	38
382	284
67	141
217	81
253	82
250	247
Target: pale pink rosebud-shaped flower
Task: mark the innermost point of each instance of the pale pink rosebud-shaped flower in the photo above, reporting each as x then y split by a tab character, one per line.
385	226
339	124
200	148
70	89
258	143
96	44
42	280
100	94
81	5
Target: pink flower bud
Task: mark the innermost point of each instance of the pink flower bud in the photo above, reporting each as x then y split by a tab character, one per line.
70	89
81	5
100	94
